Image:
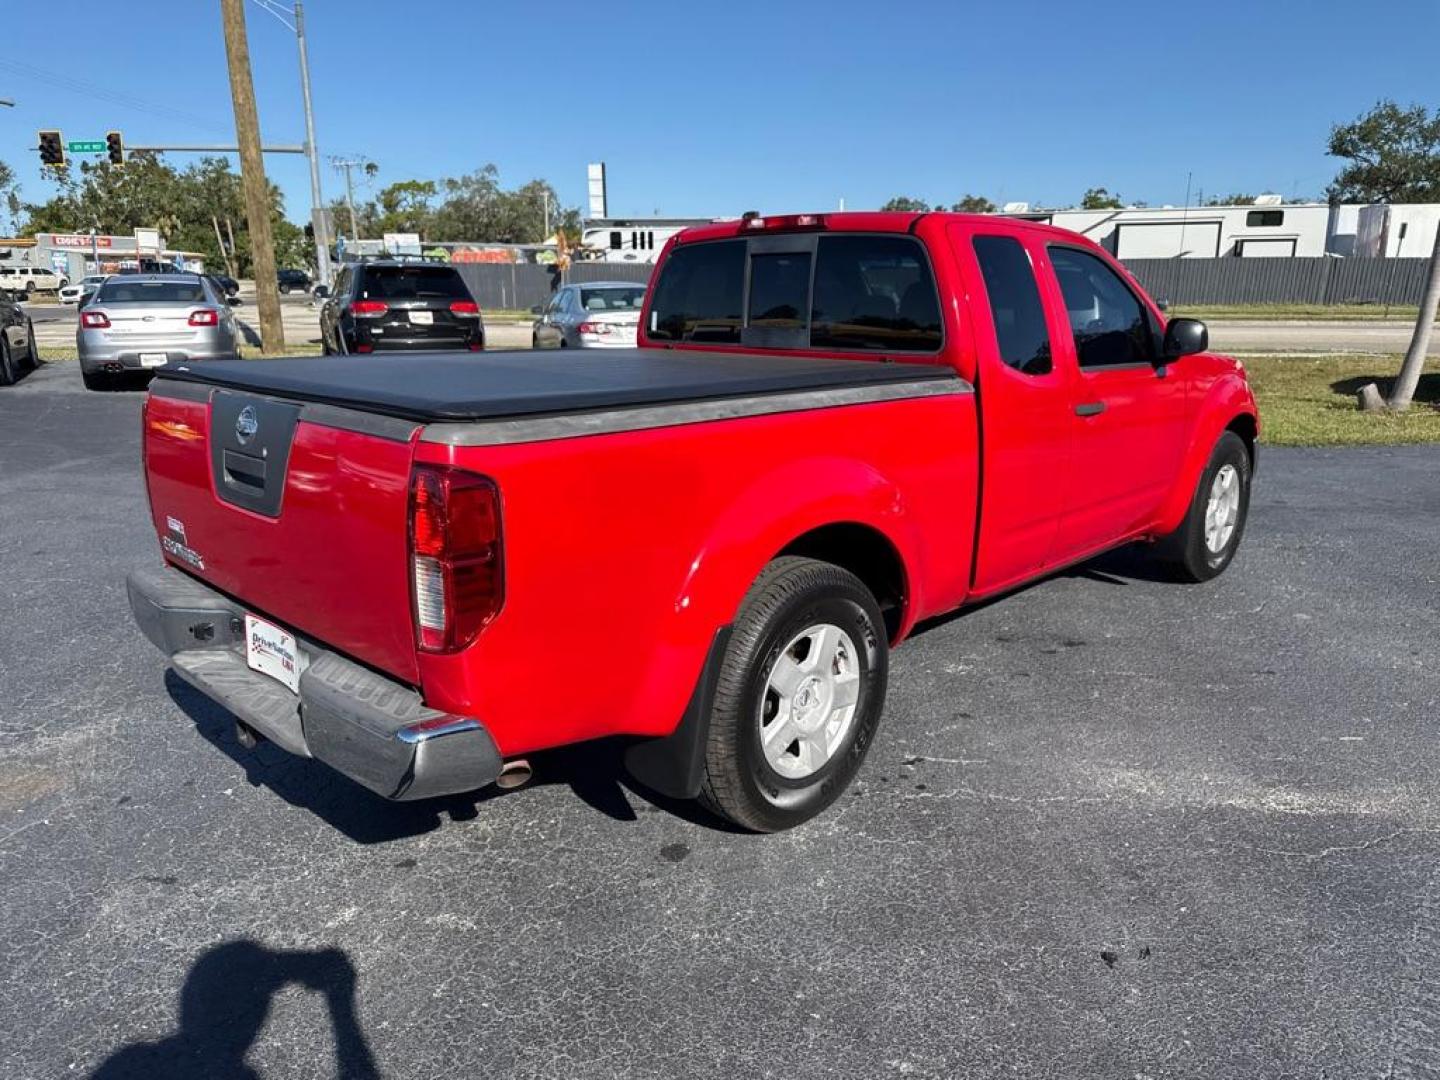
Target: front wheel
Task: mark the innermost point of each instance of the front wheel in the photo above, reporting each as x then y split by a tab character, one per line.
1202	547
798	696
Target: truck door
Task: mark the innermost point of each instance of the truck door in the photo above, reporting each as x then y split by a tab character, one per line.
1025	406
1128	410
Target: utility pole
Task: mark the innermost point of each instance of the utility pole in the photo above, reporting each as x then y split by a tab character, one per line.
252	176
322	231
346	166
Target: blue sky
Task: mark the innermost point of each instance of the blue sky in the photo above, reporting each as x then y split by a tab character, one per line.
714	108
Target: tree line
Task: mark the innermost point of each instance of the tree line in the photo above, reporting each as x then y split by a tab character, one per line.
201	208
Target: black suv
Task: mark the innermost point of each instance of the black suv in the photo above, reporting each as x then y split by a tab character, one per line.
399	305
293	279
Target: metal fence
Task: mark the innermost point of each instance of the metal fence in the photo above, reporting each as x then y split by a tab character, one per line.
1179	281
523	286
1282	281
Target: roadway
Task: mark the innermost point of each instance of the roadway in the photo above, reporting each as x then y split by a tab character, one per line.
1110	827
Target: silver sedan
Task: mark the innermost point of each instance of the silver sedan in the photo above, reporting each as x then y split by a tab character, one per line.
596	315
136	322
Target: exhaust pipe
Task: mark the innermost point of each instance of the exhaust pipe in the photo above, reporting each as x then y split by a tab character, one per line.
515	773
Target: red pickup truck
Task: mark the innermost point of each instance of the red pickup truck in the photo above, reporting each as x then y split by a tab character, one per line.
420	569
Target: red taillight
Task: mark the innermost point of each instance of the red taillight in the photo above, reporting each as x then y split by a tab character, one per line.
204	317
455	556
466	309
787	221
476	346
95	320
364	348
368	309
595	328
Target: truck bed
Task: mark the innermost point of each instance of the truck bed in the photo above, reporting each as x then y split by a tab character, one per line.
464	387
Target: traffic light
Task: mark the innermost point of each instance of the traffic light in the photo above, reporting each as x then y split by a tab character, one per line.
52	150
115	147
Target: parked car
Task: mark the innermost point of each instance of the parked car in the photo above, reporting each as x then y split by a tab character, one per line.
24	281
17	341
77	292
292	280
140	322
708	543
389	305
599	315
225	285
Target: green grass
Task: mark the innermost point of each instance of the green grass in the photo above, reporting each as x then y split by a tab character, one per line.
1308	312
1310	401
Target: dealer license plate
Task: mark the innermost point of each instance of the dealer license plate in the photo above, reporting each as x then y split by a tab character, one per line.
422	318
271	651
153	359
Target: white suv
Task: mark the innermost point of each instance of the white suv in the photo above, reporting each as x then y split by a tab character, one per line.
31	279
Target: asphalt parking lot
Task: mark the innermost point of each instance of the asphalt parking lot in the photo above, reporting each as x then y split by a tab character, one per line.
1112	827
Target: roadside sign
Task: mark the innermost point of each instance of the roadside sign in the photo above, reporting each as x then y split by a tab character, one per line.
92	146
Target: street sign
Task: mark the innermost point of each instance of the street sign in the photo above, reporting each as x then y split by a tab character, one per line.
93	146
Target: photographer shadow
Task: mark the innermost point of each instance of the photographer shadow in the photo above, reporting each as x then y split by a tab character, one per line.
224	1004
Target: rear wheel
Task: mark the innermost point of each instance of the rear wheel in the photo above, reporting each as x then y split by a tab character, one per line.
1202	547
284	290
7	363
798	697
32	350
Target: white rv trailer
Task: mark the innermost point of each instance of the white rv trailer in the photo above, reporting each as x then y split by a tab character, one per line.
630	239
1268	229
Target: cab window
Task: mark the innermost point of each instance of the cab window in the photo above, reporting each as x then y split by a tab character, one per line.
874	293
1110	326
700	294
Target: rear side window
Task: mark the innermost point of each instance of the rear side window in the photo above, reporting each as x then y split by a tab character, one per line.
699	296
1109	323
412	283
157	292
1020	331
873	293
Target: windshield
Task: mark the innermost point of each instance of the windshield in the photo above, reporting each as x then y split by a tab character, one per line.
629	298
150	292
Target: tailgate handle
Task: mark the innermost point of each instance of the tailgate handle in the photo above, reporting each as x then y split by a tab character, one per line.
244	471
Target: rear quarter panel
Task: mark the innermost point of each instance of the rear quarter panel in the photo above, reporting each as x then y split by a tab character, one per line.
624	553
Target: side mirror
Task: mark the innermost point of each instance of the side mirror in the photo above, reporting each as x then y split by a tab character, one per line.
1184	337
320	292
1163	305
233	301
536	309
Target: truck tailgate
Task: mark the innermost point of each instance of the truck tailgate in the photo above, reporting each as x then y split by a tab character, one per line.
301	521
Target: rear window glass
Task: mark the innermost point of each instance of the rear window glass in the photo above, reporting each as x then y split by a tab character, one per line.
613	299
779	288
874	293
412	283
158	292
699	295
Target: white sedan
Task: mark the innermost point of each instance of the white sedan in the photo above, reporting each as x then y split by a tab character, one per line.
73	294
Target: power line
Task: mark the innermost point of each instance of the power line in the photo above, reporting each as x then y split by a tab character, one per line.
100	93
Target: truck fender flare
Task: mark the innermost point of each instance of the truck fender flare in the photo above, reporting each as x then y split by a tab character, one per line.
1227	400
722	572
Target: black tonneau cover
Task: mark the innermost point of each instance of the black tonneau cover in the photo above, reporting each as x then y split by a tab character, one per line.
431	387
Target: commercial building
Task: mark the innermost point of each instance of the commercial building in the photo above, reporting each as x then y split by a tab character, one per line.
73	255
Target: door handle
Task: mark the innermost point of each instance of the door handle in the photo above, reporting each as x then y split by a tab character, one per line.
1090	408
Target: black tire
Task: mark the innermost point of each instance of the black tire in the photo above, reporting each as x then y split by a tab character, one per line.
284	290
95	380
32	350
1185	550
8	374
790	596
534	341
